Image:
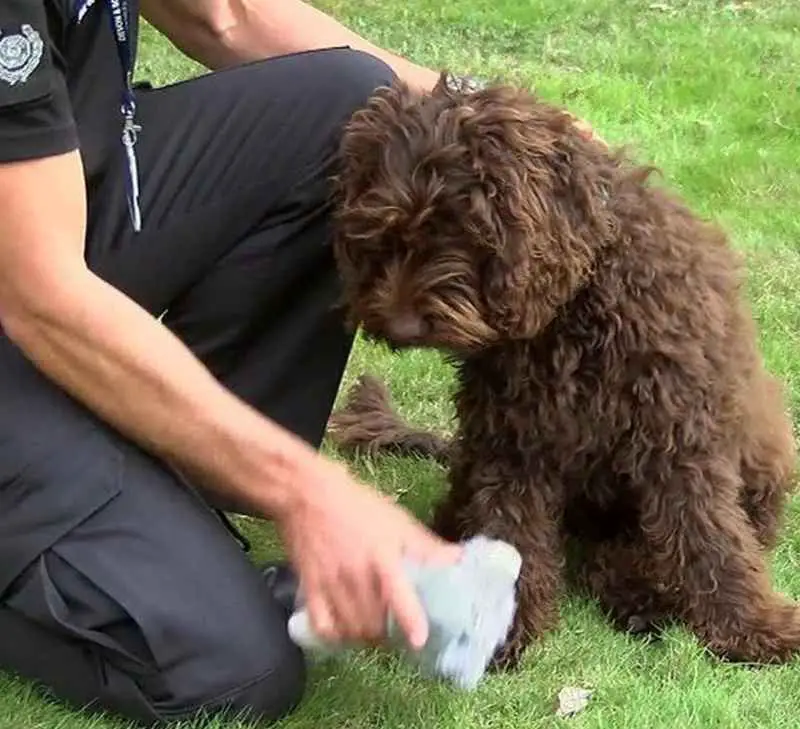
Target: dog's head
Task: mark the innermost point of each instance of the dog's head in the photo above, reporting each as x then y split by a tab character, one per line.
466	218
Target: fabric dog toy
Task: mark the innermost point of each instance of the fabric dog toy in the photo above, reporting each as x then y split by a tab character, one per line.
470	607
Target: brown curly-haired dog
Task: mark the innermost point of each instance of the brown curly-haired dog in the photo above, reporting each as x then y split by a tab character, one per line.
610	385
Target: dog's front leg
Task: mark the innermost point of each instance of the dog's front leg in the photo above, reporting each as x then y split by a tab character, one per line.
490	499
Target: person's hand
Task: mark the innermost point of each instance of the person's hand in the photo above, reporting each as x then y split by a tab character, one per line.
586	130
347	543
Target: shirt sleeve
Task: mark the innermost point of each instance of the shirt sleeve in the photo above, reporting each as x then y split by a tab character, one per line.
36	118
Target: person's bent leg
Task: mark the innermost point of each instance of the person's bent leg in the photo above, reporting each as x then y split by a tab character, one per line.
235	247
144	606
148	607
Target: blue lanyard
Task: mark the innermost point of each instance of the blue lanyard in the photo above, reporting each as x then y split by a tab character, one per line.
120	25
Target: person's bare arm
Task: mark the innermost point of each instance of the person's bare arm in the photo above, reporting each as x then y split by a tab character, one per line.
111	354
346	540
220	33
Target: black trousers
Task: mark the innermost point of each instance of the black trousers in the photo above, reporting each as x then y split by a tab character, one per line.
120	588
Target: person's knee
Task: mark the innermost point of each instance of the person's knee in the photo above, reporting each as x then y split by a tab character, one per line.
270	683
362	74
273	694
350	77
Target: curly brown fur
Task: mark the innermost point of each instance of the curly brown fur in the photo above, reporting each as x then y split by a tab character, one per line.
611	388
368	423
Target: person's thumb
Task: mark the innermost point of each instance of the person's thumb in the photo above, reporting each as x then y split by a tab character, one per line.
423	545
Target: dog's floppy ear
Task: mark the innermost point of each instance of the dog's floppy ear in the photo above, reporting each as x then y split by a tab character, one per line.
545	258
549	212
526	283
541	245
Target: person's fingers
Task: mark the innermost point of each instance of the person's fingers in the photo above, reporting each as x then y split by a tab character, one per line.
444	552
356	603
321	616
404	604
374	608
586	130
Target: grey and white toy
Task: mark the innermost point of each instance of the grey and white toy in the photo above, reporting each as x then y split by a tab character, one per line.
470	606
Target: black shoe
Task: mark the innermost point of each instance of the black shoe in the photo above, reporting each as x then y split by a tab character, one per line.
283	584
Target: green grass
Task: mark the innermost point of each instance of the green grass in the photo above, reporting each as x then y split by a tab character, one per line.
707	90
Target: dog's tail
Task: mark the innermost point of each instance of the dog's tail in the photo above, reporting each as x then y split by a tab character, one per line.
368	423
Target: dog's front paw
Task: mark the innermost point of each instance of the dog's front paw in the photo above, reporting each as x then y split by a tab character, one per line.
509	656
638	624
640	614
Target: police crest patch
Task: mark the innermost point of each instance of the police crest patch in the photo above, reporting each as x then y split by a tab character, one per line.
20	54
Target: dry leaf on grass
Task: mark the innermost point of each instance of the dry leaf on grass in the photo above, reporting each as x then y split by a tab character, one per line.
572	700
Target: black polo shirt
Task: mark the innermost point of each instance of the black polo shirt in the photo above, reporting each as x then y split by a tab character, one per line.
61	81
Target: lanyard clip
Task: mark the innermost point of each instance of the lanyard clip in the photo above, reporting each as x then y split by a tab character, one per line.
130	129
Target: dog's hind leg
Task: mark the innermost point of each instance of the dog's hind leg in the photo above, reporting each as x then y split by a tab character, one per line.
368	423
768	460
705	555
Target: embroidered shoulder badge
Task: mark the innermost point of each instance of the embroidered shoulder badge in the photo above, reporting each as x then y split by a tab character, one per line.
20	54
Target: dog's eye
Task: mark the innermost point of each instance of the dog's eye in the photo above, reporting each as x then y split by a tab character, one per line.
394	246
379	247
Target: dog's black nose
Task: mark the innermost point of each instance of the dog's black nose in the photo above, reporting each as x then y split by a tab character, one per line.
407	328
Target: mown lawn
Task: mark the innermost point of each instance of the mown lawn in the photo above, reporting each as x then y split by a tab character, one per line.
708	91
